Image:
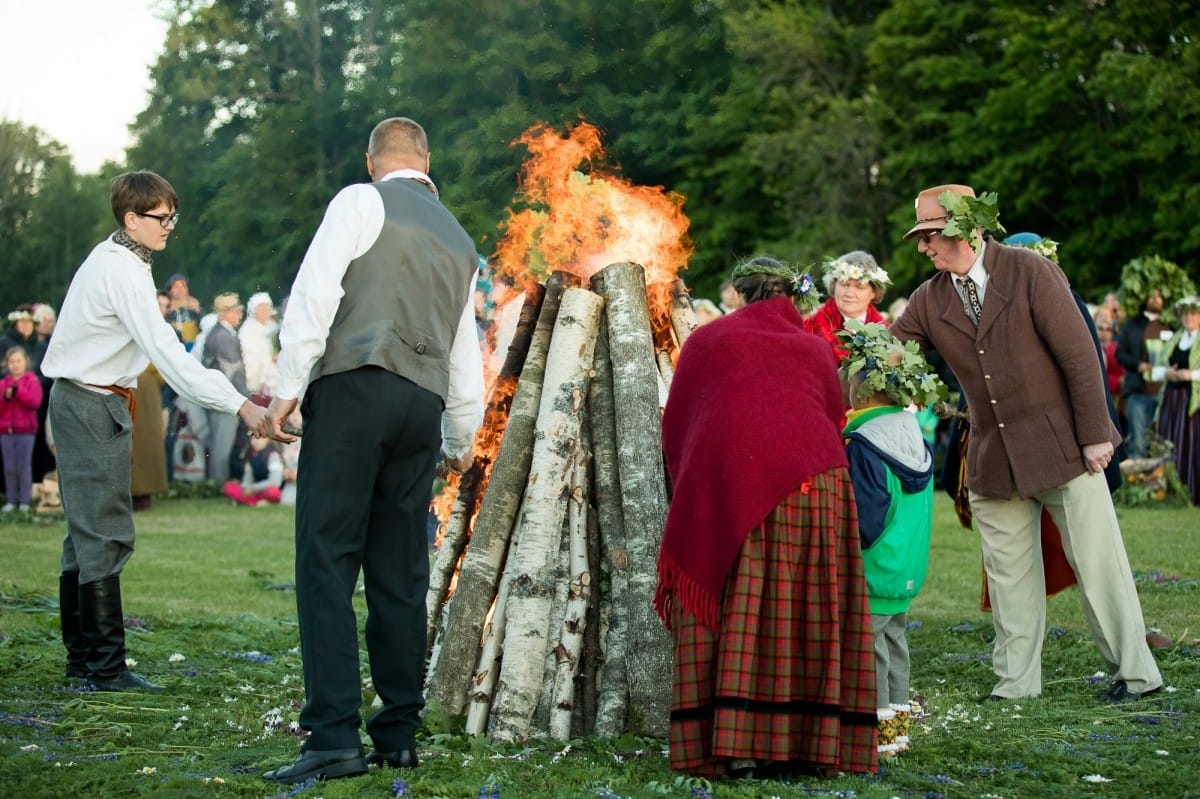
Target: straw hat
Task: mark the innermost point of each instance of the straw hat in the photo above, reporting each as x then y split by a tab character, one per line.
226	302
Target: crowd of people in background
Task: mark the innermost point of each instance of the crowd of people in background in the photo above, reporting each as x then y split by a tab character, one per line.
174	438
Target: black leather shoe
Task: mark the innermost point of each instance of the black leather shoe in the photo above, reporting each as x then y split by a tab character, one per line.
1119	692
321	764
405	758
994	698
125	680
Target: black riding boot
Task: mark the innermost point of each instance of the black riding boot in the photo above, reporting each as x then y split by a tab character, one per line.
104	629
72	632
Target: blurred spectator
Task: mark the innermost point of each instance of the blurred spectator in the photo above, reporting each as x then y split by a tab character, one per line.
258	337
262	475
706	310
149	475
730	299
1179	416
22	332
183	310
20	396
223	352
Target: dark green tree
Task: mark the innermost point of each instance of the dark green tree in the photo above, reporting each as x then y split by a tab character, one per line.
1081	116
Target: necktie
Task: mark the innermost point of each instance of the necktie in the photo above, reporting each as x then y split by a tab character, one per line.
971	304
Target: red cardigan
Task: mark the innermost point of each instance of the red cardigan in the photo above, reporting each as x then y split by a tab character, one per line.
827	320
19	414
752	414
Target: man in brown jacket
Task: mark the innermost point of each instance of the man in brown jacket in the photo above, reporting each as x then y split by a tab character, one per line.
1040	436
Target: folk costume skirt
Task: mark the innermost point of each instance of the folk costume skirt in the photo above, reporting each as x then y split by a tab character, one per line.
789	679
1182	429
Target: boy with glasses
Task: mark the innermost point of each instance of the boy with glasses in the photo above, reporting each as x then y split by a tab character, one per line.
109	329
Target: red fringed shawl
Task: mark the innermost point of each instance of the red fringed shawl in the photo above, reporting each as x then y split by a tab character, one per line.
752	413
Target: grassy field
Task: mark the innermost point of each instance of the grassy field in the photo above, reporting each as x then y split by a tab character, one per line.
210	593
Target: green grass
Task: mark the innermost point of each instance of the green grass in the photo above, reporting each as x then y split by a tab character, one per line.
211	583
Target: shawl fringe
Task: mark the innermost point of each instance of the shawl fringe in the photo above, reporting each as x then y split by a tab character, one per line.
677	587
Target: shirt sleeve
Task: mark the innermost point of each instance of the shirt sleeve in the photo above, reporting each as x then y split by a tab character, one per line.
464	402
351	225
136	304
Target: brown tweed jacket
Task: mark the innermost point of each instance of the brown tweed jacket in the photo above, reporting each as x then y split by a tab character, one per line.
1030	373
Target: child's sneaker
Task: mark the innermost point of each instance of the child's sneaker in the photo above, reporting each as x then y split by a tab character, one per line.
8	508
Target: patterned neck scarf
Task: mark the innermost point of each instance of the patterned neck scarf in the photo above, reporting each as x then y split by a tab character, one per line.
124	239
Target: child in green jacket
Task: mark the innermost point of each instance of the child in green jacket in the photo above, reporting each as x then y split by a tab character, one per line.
891	468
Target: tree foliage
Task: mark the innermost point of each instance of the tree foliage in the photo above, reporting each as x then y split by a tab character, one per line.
795	128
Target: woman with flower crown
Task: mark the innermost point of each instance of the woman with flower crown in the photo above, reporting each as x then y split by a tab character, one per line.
855	285
760	568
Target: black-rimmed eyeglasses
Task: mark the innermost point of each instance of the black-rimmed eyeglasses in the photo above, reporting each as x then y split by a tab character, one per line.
165	220
927	236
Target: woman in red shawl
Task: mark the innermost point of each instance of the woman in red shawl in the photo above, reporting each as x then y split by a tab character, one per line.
760	571
855	285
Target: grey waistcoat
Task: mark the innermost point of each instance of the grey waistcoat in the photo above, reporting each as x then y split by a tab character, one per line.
405	295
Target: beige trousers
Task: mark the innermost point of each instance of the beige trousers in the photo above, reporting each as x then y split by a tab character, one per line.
1012	555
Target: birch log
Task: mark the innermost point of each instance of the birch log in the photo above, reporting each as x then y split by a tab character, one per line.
683	315
583	720
643	491
474	481
540	723
569	648
483	684
666	370
612	700
455	655
542	513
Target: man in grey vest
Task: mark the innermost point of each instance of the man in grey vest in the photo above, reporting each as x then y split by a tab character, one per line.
380	325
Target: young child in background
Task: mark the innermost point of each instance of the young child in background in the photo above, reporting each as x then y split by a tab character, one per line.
262	474
20	397
891	468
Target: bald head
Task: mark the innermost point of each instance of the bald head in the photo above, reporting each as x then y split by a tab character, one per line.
397	143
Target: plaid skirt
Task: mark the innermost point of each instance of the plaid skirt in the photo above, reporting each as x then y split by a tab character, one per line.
789	679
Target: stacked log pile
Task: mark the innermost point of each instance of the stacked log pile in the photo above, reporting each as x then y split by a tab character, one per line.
540	604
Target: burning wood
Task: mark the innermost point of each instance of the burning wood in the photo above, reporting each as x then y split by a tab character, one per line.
550	628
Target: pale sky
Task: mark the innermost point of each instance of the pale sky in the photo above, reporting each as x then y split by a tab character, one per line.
79	70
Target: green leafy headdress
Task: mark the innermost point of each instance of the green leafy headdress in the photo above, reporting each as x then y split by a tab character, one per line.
965	215
1143	276
886	366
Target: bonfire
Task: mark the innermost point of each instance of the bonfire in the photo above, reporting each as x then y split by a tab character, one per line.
540	615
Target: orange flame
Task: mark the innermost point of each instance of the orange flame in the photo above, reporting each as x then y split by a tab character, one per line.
580	223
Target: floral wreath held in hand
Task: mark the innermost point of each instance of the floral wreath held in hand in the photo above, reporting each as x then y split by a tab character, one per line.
965	215
886	366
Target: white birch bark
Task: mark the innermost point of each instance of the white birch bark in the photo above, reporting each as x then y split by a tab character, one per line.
558	435
483	683
683	315
574	623
449	675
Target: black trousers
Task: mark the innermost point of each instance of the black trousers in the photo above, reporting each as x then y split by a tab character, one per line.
371	440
